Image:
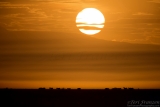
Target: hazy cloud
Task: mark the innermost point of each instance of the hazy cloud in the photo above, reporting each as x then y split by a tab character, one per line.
125	19
140	13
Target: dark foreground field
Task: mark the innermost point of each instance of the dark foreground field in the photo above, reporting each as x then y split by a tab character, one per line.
79	98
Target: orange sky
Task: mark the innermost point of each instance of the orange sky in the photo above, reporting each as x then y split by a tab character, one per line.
40	45
135	21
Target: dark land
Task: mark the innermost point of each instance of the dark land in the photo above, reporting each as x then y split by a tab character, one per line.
115	97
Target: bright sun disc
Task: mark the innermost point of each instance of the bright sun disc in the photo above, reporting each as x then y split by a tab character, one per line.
90	21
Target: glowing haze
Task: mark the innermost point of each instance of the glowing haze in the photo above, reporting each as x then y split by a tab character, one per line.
41	44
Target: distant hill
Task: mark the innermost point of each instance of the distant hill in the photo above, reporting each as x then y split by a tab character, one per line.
67	42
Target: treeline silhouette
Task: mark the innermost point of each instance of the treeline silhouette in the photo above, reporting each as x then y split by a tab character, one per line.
60	97
124	88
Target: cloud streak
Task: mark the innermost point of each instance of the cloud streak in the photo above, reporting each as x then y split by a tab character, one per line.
125	20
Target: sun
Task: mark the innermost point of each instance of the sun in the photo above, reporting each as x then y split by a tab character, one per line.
90	21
